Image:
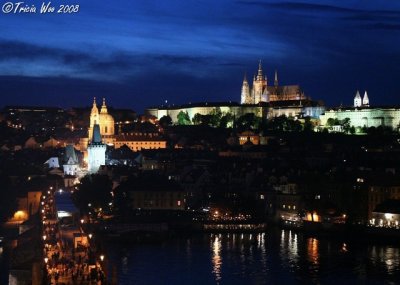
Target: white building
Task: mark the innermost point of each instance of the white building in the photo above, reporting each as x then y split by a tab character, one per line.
365	117
96	151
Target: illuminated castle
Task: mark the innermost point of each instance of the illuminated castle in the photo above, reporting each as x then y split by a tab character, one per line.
261	92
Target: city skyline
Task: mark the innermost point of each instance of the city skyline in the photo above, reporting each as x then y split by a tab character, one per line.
141	54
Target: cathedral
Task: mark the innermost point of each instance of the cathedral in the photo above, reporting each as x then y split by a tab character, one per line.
260	91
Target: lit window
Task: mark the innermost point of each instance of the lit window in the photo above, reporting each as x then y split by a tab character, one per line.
179	202
294	207
262	197
284	206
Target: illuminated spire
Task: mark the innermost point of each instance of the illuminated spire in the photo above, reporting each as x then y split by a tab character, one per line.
276	78
365	100
259	73
104	107
94	107
357	100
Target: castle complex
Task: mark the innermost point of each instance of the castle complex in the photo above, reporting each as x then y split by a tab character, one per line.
262	92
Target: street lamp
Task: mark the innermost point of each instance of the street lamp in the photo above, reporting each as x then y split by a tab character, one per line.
46	259
102	257
44	237
90	236
82	221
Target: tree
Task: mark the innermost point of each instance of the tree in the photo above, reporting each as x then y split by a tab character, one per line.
308	126
8	199
346	125
226	119
94	190
197	119
183	118
216	115
248	121
165	121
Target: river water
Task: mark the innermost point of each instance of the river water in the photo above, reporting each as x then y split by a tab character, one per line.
274	257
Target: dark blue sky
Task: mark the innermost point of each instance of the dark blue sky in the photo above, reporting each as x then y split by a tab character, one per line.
141	53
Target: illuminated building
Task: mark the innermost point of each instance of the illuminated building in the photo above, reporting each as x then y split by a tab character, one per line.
71	164
104	120
235	109
261	92
135	141
96	151
365	117
28	205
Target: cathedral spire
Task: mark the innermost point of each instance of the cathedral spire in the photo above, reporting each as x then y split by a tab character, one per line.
245	94
276	83
259	73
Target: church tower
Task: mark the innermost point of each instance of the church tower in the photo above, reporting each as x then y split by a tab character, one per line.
276	83
357	100
104	120
94	118
259	84
245	96
365	101
96	151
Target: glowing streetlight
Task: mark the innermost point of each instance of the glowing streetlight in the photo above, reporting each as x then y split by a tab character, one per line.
44	237
90	236
46	259
102	257
82	221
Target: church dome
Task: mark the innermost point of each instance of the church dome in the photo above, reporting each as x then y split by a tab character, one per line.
103	119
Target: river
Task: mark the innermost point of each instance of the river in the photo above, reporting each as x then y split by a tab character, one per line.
274	257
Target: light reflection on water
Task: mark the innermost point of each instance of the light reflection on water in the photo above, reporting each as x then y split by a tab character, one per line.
216	258
276	257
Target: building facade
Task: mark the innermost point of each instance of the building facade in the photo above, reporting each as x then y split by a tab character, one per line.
365	117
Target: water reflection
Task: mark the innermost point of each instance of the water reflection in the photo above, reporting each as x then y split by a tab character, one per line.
312	251
275	257
387	258
216	258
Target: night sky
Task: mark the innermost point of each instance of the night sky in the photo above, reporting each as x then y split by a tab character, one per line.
141	53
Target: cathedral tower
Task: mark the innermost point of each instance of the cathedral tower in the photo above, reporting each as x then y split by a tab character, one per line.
94	118
259	85
245	96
